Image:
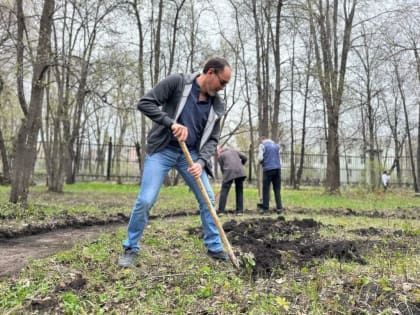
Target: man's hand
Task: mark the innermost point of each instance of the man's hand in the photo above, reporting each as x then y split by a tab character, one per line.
195	170
179	131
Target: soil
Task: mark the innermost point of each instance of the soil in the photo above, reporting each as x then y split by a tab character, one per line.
274	243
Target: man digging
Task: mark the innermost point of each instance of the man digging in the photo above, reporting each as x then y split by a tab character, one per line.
184	108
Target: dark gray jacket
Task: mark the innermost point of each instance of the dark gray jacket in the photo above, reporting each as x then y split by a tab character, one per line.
232	164
164	103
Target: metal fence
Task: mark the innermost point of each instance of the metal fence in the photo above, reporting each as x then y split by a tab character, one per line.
120	162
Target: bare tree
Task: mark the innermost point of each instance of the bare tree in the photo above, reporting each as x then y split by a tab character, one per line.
191	34
262	110
240	66
417	57
292	176
324	19
157	44
398	135
3	152
370	58
26	141
6	22
175	29
407	127
135	5
308	66
402	44
275	35
75	36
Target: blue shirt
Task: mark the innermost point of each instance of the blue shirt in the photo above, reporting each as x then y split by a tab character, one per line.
194	116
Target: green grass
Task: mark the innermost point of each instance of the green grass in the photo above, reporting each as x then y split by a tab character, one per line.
106	200
191	285
174	276
352	199
308	198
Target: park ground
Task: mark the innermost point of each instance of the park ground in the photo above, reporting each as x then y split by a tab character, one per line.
358	253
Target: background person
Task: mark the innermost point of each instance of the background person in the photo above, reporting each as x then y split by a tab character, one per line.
231	163
385	180
269	157
183	107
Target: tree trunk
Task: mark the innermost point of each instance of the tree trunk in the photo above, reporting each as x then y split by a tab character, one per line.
305	105
333	159
417	57
276	51
141	153
53	149
3	152
262	110
407	127
418	145
26	142
5	179
292	131
157	43
331	69
174	33
74	142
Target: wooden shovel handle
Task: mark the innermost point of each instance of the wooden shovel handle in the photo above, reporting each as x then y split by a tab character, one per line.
211	208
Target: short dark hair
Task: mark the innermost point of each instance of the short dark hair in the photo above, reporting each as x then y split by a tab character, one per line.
217	63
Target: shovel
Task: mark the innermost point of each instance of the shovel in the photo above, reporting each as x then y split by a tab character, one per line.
225	241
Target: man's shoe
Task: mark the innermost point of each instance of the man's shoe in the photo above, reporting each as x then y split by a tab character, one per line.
220	213
217	255
128	258
279	211
239	213
264	212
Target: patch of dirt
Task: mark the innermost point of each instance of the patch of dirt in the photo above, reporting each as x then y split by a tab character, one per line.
276	244
15	253
65	220
57	222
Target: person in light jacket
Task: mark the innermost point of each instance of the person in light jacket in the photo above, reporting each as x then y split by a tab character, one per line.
385	179
231	163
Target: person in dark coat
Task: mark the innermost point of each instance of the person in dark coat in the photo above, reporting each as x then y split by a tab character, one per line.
231	163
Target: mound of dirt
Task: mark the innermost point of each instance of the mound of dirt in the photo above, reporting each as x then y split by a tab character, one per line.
276	244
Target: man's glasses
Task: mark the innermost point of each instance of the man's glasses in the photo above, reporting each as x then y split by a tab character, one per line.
222	82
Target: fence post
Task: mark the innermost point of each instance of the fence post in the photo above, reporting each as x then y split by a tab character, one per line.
108	167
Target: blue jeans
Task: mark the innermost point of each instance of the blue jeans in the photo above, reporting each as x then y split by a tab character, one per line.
156	167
